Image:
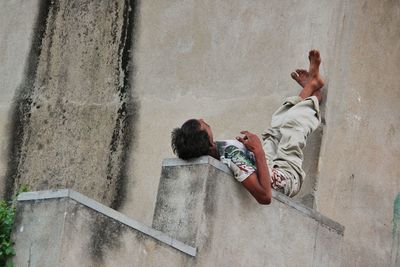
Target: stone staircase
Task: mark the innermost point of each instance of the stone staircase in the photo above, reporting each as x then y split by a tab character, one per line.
203	217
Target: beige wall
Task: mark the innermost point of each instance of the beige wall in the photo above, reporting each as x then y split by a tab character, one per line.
17	19
359	166
229	63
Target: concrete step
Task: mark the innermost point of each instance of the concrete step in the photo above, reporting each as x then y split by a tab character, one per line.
203	217
65	228
201	204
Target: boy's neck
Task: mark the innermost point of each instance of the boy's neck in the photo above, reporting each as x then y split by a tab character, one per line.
213	152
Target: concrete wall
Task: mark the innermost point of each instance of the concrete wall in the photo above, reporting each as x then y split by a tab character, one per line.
73	112
17	27
219	59
195	205
64	228
200	203
210	59
228	62
359	164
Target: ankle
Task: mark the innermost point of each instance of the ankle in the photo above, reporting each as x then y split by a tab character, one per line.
306	92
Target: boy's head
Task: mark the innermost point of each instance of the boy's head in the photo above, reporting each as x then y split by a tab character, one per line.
193	139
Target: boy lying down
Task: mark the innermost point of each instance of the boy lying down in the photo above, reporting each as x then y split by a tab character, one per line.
276	161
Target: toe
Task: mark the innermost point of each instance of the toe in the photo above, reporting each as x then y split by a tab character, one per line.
296	77
301	71
316	53
310	54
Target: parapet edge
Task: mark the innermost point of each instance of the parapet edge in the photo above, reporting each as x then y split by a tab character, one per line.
321	219
92	204
168	162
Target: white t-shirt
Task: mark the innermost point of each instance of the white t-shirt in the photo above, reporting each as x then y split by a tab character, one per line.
237	157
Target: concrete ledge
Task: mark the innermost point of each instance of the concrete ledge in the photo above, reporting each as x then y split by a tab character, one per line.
201	160
323	220
90	203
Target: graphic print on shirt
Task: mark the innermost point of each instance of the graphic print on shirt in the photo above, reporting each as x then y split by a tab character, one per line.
239	159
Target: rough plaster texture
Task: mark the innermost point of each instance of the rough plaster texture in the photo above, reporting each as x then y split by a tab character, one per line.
16	29
217	59
73	117
204	206
359	164
62	232
65	228
228	62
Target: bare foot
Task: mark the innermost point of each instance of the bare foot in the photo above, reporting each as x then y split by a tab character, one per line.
315	61
301	76
311	80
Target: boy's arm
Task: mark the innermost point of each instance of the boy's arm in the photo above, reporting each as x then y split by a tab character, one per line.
258	183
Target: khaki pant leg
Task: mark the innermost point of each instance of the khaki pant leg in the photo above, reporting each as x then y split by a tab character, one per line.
272	136
299	122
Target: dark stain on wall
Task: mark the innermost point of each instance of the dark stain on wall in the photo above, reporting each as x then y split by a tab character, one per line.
20	115
210	207
23	129
106	235
124	133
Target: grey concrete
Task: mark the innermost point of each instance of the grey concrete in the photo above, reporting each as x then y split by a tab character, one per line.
207	162
195	204
228	62
311	153
216	59
74	119
169	162
64	232
17	20
211	59
106	211
204	206
359	159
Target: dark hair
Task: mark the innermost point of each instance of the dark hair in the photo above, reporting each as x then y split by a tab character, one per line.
190	141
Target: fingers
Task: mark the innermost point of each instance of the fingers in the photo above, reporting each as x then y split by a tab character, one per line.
240	139
247	136
247	133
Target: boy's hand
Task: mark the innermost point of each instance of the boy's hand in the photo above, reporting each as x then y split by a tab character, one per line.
251	142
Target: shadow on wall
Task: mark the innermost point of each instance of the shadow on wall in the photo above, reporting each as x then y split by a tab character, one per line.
74	113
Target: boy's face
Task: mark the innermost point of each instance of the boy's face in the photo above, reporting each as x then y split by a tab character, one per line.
204	126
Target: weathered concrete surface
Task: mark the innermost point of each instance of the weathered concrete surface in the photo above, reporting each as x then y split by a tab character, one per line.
75	116
218	59
395	257
63	231
201	204
228	62
359	164
17	21
65	228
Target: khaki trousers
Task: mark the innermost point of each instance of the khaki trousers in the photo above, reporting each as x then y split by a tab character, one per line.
284	141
